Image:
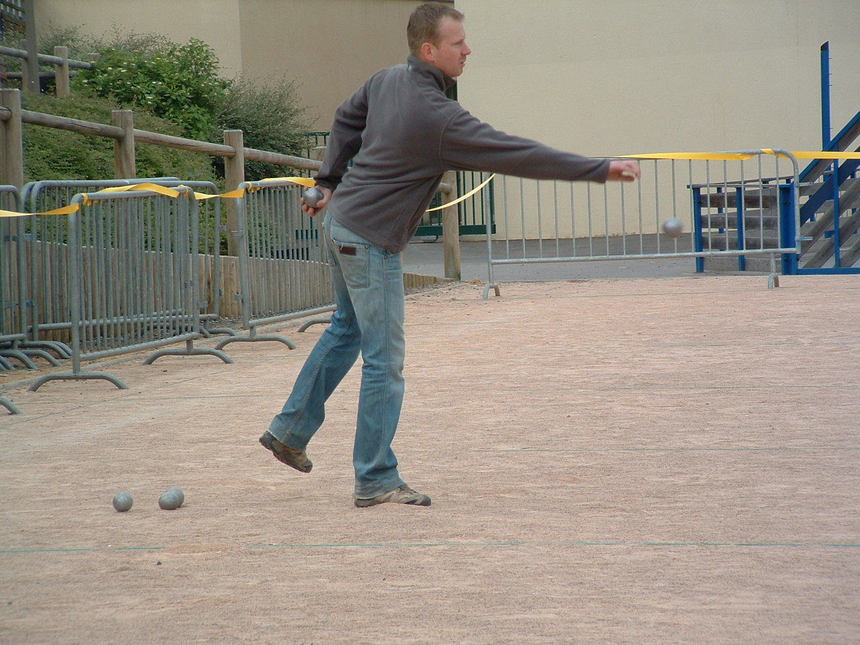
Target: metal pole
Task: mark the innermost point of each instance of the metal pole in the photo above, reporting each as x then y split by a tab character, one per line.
825	95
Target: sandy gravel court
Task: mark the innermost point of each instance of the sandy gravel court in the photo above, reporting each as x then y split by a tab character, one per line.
664	460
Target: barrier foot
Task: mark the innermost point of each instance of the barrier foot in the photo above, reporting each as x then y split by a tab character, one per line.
315	321
6	403
191	351
79	376
41	353
62	350
19	355
494	287
6	365
254	339
207	333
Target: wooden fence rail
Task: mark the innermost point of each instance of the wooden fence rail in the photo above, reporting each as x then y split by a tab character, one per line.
63	66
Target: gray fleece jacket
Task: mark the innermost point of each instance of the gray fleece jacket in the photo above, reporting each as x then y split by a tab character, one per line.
402	133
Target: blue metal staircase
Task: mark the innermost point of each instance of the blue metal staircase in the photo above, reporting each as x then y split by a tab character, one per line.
830	216
751	216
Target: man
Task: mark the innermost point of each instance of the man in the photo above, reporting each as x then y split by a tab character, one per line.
402	134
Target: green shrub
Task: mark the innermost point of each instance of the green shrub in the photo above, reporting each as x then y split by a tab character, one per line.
271	118
176	82
180	83
59	154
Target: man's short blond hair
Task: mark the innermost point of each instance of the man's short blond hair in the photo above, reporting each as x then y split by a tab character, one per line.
424	22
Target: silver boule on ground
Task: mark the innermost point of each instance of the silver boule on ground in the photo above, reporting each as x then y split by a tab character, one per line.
122	501
171	499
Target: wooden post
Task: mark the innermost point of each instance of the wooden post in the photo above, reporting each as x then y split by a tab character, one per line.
234	175
61	72
30	78
11	141
451	232
124	165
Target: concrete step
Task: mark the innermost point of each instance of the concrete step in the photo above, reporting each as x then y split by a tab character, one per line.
752	199
721	242
753	219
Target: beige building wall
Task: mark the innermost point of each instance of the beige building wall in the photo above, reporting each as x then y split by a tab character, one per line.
625	76
615	77
215	22
329	47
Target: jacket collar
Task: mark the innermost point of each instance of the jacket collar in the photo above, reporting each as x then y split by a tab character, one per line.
430	72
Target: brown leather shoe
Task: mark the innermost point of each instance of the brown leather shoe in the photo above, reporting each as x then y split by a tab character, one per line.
292	457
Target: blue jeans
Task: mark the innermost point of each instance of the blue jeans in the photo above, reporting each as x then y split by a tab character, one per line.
368	286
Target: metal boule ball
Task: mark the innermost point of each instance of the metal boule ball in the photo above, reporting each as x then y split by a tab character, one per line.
122	501
673	227
170	500
175	490
312	196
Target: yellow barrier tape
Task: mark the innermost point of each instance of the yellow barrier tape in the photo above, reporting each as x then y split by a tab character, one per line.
705	156
819	154
153	188
307	182
64	210
233	194
464	197
742	156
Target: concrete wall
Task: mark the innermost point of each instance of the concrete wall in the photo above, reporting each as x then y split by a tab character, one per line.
328	46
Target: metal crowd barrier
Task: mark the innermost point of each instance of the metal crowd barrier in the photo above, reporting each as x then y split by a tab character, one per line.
283	269
741	204
212	223
48	274
12	291
132	260
7	403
